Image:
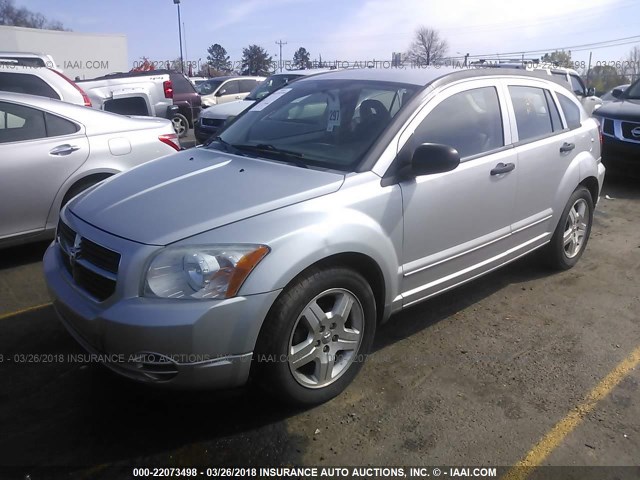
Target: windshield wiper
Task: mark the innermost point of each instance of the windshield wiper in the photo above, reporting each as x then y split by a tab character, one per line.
226	145
287	155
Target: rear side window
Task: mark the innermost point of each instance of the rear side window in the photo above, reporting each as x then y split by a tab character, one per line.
532	112
468	121
20	123
57	126
26	83
571	111
248	85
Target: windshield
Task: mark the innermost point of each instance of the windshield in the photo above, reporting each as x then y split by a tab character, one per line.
633	92
322	123
208	87
270	85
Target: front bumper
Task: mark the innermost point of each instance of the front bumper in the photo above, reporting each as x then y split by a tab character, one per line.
615	151
177	343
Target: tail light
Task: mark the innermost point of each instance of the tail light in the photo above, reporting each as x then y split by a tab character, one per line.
168	89
170	139
85	98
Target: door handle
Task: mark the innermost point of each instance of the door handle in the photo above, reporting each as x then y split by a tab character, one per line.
65	149
567	147
503	168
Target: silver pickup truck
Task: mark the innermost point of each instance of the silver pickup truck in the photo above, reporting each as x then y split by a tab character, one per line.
156	93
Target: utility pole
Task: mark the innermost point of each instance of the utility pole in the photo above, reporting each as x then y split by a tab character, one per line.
280	43
177	2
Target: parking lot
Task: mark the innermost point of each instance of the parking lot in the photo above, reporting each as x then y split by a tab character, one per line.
523	363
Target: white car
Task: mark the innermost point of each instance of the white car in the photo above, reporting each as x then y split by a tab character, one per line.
53	150
219	90
41	81
29	59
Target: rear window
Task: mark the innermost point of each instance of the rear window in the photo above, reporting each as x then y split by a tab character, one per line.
181	84
23	62
26	83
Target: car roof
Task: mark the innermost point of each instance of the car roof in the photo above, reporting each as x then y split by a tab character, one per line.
422	76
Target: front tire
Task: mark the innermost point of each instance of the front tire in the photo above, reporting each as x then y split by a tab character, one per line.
572	233
316	336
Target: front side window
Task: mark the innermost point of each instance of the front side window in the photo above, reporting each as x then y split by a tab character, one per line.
19	123
571	111
532	112
468	121
208	87
324	123
229	88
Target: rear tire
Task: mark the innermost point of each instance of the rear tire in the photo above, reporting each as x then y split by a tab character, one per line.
316	336
180	125
572	233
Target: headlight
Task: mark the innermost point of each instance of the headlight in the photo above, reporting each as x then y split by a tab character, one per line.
202	272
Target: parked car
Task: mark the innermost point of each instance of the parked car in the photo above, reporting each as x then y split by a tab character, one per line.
155	93
567	76
198	80
27	59
52	150
613	94
42	81
277	250
213	118
217	90
620	124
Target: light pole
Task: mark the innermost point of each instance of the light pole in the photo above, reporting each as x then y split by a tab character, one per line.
177	2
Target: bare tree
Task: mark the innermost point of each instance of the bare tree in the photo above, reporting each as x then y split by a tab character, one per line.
428	47
22	17
631	66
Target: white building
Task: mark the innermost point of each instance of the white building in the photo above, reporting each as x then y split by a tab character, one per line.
84	55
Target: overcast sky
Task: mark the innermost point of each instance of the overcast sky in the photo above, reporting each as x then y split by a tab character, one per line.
355	29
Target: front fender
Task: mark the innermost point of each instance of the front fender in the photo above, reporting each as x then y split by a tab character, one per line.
364	218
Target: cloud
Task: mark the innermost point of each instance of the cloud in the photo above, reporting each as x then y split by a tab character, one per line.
379	27
244	10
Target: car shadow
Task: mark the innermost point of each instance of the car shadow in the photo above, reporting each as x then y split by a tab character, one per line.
70	413
22	254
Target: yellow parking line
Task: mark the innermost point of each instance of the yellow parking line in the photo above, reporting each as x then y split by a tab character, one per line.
551	440
24	310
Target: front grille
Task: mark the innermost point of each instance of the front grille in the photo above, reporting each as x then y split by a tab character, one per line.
607	126
98	255
627	127
212	122
88	263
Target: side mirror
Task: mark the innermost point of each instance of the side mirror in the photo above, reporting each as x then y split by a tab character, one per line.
617	92
591	91
430	158
219	93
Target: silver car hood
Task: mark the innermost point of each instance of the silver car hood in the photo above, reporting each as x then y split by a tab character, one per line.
181	195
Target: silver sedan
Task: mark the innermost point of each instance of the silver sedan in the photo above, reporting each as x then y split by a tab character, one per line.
52	150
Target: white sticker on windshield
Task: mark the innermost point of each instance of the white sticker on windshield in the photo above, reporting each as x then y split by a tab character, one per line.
270	99
333	120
